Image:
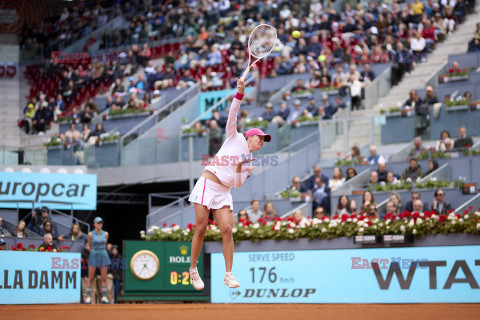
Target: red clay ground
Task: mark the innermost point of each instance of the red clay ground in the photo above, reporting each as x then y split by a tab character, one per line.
182	311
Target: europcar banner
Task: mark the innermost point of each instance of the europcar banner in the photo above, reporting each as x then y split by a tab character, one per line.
39	277
54	190
209	98
388	275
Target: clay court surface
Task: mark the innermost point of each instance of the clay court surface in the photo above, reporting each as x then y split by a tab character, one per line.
245	311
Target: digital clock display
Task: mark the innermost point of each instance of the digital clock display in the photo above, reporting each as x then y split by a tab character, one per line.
180	278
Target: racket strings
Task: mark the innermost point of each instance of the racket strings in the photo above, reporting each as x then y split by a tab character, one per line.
262	41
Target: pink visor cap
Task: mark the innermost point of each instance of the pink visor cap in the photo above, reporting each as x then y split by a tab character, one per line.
257	132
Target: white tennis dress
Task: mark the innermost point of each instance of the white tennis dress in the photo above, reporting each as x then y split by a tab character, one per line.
223	165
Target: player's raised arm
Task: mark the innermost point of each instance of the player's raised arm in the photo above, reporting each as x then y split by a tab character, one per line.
231	128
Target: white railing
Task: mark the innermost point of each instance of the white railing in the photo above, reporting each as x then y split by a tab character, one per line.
378	88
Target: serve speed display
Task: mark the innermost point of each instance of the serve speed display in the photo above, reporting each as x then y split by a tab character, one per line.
441	274
264	277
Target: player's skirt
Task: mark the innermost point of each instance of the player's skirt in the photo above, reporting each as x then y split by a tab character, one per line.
98	258
211	194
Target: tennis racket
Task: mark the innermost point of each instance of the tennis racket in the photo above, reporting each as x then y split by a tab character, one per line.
261	42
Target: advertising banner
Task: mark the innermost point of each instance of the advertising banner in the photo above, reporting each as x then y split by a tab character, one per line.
209	98
387	275
54	190
39	277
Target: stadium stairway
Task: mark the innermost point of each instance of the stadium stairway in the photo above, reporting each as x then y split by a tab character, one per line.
456	43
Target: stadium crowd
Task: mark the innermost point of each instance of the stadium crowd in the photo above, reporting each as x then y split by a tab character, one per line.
331	47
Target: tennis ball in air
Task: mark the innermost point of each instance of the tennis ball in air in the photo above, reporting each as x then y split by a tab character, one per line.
296	34
322	58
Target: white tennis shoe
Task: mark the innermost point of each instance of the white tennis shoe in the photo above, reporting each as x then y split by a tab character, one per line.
196	280
230	281
88	300
105	300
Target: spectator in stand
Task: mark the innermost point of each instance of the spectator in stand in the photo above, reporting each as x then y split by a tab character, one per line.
20	230
3	229
70	133
415	195
374	157
86	115
463	140
40	120
296	112
351	172
269	211
390	208
221	120
417	206
321	113
29	112
185	81
321	194
216	137
355	92
432	166
418	148
117	87
317	172
268	115
243	216
311	107
85	133
343	206
439	203
467	95
97	132
414	171
390	178
382	171
254	212
285	66
337	180
418	45
440	146
355	155
474	44
93	106
397	200
77	148
428	33
47	228
368	199
48	244
339	104
367	74
282	115
299	86
373	178
59	107
156	97
297	185
319	213
329	109
75	234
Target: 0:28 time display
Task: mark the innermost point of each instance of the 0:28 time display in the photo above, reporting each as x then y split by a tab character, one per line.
183	278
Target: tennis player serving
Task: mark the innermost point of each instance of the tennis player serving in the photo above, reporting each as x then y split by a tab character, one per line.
212	190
